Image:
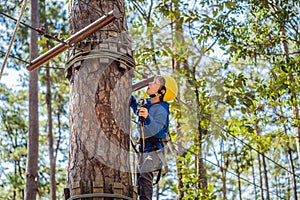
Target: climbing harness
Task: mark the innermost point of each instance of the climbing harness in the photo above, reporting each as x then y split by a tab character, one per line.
171	91
142	142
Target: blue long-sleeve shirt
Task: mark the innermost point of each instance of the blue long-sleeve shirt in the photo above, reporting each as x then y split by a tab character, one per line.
157	123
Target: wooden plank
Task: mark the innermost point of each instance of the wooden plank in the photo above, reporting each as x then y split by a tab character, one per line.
142	84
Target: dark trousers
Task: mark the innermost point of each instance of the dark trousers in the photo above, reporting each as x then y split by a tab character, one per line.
149	163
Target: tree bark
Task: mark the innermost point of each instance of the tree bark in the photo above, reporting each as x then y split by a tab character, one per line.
50	137
224	168
100	91
261	186
294	97
31	186
266	176
238	171
260	166
295	107
201	170
292	167
254	179
176	29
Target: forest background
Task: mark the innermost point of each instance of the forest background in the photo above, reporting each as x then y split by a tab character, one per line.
235	124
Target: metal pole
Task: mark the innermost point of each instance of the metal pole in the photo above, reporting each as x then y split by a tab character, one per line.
80	35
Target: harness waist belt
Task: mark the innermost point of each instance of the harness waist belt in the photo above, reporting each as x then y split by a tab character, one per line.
154	139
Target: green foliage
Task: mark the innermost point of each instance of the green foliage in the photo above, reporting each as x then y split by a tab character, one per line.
13	143
232	109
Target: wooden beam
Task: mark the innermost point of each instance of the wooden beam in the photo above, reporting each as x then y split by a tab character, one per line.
142	84
80	35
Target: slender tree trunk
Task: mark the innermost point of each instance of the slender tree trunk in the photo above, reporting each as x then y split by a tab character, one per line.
223	163
295	116
266	176
180	150
177	65
238	170
254	179
179	174
151	37
100	91
157	192
50	137
31	186
290	158
294	97
201	170
15	173
260	165
293	177
261	185
224	177
285	50
179	163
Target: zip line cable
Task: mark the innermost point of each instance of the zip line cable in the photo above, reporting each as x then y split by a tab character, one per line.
14	57
241	141
17	58
41	31
13	37
230	172
244	179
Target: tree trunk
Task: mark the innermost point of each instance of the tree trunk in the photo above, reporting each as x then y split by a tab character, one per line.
295	116
223	168
294	98
290	158
180	153
254	179
176	29
100	91
293	177
259	165
157	191
238	171
295	106
50	137
199	163
31	186
260	178
266	177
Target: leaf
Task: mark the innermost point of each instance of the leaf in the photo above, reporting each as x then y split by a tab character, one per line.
230	4
244	110
215	12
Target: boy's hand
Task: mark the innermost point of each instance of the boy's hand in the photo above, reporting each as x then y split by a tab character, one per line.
143	112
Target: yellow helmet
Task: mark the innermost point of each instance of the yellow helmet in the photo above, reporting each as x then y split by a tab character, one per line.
171	89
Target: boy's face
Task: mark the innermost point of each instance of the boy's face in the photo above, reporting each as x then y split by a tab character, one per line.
153	87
